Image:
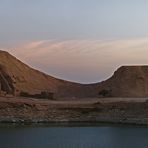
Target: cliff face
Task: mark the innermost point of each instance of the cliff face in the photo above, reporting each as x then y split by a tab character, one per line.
6	83
16	77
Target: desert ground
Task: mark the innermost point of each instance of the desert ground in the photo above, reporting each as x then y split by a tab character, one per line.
31	96
110	110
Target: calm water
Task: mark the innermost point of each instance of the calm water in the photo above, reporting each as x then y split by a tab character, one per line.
102	136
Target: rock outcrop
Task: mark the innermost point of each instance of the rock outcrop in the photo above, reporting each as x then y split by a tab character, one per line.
6	84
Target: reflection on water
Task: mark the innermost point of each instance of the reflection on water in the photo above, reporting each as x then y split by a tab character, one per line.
102	136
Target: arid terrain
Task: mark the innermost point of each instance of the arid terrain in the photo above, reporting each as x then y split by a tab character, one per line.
22	110
18	79
28	95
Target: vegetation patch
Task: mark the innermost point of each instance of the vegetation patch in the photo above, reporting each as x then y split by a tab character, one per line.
42	95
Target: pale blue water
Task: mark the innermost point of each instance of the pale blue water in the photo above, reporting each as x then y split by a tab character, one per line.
102	136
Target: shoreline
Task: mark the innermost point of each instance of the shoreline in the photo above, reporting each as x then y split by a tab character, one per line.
72	124
32	111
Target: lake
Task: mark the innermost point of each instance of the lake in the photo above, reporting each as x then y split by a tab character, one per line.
73	136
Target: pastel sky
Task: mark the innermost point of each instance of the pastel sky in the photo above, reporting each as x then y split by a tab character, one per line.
77	40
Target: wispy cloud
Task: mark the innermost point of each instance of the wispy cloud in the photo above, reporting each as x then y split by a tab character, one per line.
82	60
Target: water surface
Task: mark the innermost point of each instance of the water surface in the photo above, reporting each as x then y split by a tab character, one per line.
96	136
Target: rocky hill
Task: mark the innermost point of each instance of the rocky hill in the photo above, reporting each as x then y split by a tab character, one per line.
127	81
17	78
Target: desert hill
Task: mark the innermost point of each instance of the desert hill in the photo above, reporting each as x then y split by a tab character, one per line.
18	78
127	81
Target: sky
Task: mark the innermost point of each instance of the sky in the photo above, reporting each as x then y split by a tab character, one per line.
79	40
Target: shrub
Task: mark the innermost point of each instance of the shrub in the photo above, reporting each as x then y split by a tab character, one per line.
105	93
24	94
42	95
